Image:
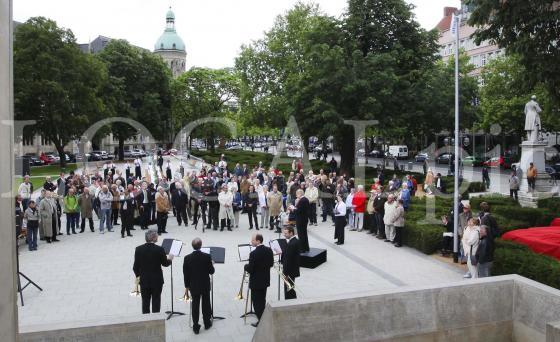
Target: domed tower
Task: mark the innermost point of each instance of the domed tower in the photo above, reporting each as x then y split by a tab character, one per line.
171	47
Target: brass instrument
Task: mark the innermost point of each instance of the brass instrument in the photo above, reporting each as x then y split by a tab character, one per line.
136	291
240	293
288	281
186	297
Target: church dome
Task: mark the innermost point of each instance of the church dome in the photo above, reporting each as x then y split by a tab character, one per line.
169	40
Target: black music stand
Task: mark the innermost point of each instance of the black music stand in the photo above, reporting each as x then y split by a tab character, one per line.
20	274
218	255
244	245
283	244
166	244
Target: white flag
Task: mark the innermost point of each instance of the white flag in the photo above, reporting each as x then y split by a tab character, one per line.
455	20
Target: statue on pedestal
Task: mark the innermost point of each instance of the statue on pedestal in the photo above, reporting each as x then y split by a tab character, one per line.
532	119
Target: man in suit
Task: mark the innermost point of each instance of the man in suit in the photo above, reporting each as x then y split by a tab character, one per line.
197	268
290	261
143	203
148	260
301	210
260	261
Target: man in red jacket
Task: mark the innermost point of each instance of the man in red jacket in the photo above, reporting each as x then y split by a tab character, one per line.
359	204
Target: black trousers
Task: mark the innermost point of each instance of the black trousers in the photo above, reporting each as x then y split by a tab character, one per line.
138	172
380	225
115	216
181	214
513	194
225	223
127	218
258	296
146	212
252	212
398	235
273	221
339	224
531	181
313	212
152	294
213	215
301	227
161	221
206	308
369	222
291	294
83	224
328	209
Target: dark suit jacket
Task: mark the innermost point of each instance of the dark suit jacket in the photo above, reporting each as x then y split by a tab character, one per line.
148	260
290	259
260	262
302	210
197	268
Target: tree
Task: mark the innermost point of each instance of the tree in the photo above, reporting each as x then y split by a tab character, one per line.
528	29
55	83
138	89
202	93
505	92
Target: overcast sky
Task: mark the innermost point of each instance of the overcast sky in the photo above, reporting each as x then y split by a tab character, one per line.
213	30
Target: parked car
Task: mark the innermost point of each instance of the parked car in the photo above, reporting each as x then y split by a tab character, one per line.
93	156
234	148
102	154
554	174
140	152
376	154
500	161
421	157
33	159
444	158
472	161
398	151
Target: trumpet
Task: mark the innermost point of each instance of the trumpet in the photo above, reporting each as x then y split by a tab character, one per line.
240	293
136	291
186	298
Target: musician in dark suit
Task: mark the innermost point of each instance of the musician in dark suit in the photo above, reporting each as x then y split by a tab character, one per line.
197	268
290	261
148	260
260	262
301	210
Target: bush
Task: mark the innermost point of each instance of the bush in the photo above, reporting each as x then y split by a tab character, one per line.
494	200
552	204
533	217
477	187
424	237
513	258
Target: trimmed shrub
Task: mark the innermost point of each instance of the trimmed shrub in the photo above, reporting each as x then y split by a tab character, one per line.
552	204
494	200
426	238
477	187
513	258
533	217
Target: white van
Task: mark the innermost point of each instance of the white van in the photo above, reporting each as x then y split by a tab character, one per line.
398	151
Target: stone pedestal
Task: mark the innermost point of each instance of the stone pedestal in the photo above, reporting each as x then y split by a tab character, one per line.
534	152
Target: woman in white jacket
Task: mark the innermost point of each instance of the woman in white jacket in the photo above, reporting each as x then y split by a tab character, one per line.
225	198
471	240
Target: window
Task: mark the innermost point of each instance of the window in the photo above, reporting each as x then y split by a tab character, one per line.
173	46
483	60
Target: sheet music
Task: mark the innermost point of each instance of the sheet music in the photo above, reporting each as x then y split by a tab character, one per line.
176	248
275	246
244	252
205	250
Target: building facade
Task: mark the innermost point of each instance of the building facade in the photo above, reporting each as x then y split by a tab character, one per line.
479	55
171	47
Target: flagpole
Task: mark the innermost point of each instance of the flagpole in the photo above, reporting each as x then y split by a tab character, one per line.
457	24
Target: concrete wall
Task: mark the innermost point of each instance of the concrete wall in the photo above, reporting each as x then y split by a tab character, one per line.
8	308
135	328
508	308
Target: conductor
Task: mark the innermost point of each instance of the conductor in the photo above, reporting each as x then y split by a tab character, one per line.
290	261
148	260
301	211
197	268
260	261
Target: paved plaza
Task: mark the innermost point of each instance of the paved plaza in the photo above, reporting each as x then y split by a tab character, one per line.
89	276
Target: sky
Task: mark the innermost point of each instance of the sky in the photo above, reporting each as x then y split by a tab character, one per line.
213	30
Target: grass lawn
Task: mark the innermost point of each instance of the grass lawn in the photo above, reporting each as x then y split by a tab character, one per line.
39	173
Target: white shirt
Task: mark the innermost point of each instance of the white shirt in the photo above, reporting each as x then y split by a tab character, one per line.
340	209
349	199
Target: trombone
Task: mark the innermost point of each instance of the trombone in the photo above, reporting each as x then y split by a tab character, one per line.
288	281
244	279
187	299
136	291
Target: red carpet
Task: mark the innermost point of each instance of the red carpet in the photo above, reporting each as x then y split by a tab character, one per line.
543	240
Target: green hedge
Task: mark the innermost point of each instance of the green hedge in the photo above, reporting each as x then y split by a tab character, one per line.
477	187
493	200
426	238
533	217
513	258
552	204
